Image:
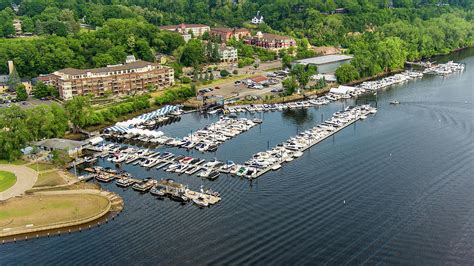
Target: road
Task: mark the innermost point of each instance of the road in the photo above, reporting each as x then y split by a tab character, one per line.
26	178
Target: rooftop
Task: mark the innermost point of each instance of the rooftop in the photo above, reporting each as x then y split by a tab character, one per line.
269	36
60	144
172	27
325	59
258	79
230	29
129	66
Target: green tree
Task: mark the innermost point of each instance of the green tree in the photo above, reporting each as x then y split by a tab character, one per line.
40	90
21	94
60	158
224	73
78	111
290	85
346	73
13	80
193	53
14	133
303	73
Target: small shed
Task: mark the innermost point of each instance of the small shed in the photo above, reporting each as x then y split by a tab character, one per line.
259	79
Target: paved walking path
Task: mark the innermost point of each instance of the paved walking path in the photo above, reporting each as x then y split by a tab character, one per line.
25	179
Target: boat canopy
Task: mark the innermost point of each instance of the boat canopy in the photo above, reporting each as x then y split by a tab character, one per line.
95	140
342	89
125	126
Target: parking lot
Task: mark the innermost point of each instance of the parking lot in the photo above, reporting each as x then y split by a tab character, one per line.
8	100
246	87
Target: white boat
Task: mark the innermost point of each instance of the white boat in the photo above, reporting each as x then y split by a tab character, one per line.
297	154
201	201
276	166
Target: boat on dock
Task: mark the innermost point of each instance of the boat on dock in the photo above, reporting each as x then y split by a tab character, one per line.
144	186
126	182
201	202
105	178
158	191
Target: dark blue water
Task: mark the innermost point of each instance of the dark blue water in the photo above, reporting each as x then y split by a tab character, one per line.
406	176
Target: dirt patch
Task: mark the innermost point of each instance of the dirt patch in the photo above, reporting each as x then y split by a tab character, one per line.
49	179
41	166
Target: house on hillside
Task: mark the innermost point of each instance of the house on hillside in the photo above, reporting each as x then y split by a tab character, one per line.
258	19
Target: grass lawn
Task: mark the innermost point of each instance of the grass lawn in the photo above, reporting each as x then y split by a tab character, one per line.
41	210
41	166
17	162
7	180
49	179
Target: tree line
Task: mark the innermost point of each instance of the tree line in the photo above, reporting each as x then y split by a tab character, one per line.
19	127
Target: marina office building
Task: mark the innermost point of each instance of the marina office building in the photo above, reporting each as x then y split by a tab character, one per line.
124	79
327	63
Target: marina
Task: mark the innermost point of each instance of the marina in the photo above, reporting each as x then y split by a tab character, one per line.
373	193
158	188
273	159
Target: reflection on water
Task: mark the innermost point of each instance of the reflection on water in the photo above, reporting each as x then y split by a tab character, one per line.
298	116
395	188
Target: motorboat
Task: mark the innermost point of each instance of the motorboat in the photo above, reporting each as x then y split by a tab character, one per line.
158	191
276	166
86	177
213	175
201	202
178	196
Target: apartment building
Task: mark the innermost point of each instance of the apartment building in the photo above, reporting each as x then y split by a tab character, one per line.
225	34
124	79
197	30
271	41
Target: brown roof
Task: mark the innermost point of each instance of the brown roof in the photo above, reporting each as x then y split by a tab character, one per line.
172	27
129	66
230	30
269	36
258	79
223	29
242	30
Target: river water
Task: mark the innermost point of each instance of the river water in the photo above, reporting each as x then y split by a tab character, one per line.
394	188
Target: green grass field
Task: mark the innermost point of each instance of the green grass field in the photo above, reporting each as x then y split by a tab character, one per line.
7	180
